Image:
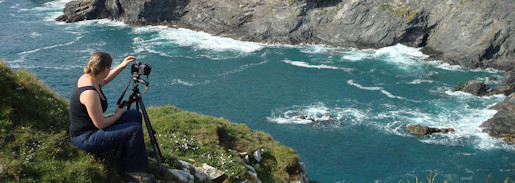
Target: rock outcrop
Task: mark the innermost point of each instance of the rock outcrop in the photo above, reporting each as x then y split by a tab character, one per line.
474	34
507	84
479	88
425	130
474	87
502	124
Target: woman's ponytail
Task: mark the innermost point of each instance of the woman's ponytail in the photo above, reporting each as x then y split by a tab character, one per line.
97	63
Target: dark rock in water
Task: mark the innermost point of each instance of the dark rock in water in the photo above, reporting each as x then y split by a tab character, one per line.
474	87
474	34
507	84
425	130
503	122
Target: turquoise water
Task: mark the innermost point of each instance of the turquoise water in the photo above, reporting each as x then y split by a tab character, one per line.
370	94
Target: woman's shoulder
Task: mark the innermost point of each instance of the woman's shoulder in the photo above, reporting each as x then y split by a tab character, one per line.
89	95
84	81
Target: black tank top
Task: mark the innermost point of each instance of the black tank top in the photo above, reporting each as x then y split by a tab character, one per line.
80	120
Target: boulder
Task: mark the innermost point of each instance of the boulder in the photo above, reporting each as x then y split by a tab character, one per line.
474	87
214	174
509	137
258	155
425	130
182	176
507	84
304	173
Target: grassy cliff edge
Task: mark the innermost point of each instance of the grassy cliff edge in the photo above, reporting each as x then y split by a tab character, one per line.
35	147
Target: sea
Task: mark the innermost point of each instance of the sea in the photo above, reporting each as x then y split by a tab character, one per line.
343	110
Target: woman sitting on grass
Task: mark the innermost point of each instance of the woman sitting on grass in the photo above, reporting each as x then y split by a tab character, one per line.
94	133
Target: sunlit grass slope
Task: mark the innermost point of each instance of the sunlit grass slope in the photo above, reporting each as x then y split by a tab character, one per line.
35	147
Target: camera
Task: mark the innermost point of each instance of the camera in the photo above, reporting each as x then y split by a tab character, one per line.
140	69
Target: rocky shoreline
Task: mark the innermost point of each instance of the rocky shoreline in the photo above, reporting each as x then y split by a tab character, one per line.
502	124
470	33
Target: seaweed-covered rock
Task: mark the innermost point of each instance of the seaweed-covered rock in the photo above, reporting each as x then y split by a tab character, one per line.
425	130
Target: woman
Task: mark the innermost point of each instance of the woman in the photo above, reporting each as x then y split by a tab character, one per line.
94	133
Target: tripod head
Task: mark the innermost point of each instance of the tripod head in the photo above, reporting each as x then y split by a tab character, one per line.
136	78
137	70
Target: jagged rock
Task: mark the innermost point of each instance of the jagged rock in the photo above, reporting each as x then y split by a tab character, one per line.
507	84
258	155
191	173
503	122
246	159
304	174
474	87
425	130
182	176
250	168
254	175
474	34
214	174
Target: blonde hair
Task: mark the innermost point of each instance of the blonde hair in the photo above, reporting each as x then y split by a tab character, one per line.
97	63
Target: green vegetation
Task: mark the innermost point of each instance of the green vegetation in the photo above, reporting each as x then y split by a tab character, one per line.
464	2
215	141
400	10
35	147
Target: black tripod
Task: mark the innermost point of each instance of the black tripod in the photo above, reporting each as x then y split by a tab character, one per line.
136	96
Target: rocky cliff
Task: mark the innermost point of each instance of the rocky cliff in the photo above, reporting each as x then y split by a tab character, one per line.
470	33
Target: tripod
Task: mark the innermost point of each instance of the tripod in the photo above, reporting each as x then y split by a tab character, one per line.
136	97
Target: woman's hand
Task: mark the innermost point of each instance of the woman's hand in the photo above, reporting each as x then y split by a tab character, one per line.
128	60
119	111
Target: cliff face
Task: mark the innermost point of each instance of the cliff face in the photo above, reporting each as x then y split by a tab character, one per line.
471	33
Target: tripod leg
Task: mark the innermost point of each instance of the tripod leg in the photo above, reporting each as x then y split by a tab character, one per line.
151	134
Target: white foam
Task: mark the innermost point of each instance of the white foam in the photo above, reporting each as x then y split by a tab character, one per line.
316	113
25	53
445	66
15	65
52	9
358	55
35	35
464	95
52	5
403	56
420	81
101	23
307	65
199	40
390	95
464	118
242	68
178	81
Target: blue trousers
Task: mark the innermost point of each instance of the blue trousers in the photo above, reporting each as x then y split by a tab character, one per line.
127	132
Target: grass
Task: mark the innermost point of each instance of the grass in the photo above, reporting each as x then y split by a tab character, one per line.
400	10
35	147
215	141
